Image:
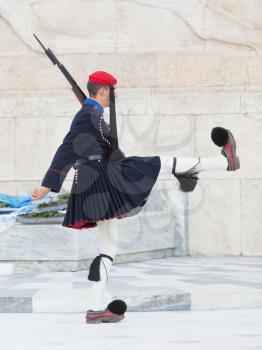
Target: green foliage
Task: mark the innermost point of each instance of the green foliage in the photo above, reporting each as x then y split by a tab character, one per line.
4	205
44	214
60	200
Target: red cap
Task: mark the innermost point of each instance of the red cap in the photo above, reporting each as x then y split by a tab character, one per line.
101	77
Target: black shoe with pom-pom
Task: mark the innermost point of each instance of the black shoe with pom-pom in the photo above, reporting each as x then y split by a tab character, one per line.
224	138
114	312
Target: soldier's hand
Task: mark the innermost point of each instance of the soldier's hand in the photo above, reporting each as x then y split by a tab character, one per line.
39	193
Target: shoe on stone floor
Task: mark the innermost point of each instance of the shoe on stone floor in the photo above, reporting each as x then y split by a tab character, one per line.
114	312
102	316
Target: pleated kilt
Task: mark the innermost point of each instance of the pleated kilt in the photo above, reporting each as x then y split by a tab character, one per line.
103	190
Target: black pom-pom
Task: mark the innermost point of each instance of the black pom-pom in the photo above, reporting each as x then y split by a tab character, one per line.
219	136
117	306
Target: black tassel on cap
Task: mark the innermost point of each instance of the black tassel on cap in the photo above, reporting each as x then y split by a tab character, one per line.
94	270
219	136
117	306
113	126
115	153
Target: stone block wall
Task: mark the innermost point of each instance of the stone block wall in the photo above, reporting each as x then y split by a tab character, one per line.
183	67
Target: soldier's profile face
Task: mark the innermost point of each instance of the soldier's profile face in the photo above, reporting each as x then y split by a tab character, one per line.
103	95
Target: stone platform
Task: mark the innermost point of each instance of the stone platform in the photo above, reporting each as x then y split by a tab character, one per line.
157	231
175	283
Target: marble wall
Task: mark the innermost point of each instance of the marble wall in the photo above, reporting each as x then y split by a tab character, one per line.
183	67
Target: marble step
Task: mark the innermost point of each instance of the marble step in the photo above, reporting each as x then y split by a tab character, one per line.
151	234
78	300
64	300
70	300
175	283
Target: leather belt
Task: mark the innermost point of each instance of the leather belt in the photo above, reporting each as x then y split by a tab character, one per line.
87	158
93	157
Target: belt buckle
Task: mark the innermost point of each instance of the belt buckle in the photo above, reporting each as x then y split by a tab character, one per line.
79	162
94	157
86	159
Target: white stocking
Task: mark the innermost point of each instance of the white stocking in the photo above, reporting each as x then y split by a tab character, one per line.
108	235
185	163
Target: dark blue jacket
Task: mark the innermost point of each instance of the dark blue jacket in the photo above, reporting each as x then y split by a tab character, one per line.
84	138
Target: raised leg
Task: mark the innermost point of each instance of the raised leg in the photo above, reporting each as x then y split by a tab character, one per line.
184	164
186	169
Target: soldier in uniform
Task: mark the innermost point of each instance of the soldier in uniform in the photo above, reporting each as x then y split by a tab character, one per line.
109	186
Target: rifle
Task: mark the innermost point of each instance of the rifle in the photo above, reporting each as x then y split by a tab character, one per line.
118	154
75	88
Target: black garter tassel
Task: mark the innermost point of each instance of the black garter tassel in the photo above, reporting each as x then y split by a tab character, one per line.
94	270
188	179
